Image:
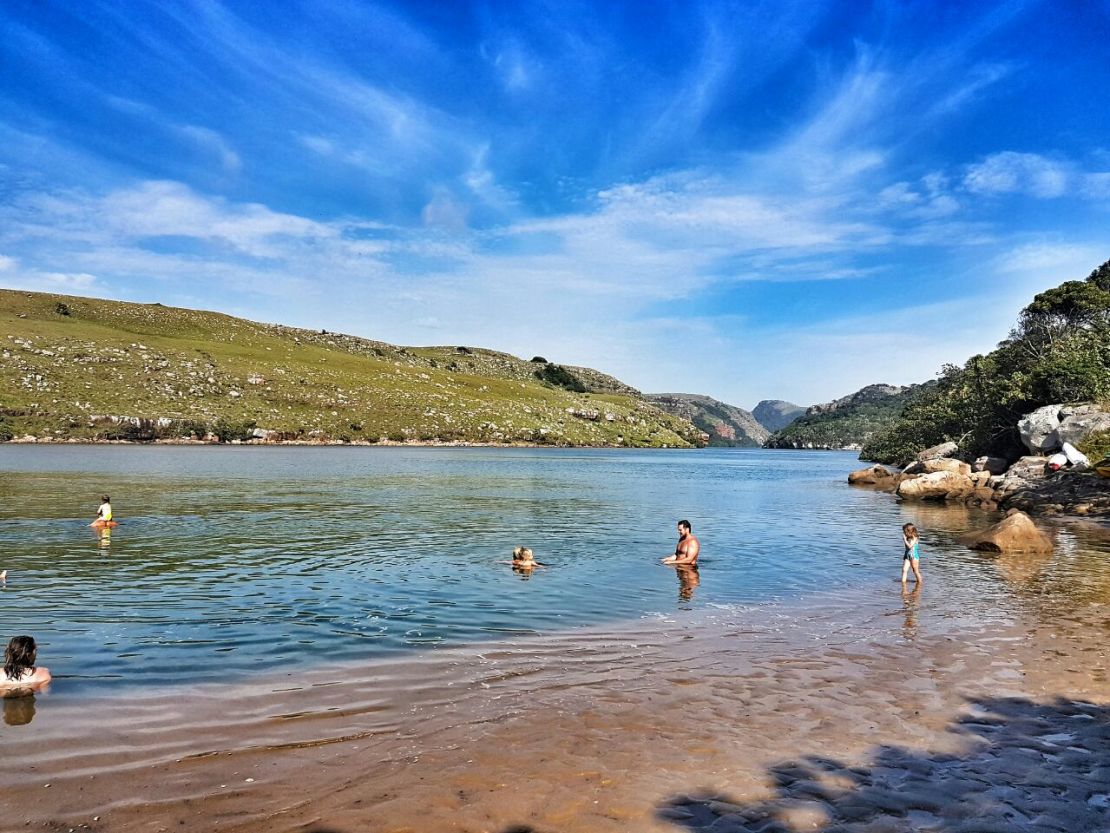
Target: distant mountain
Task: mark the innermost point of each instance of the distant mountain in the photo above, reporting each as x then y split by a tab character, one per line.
87	369
774	414
725	424
847	422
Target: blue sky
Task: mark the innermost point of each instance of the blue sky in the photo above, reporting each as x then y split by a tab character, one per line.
749	200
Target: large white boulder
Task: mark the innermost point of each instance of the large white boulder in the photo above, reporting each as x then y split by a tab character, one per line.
937	452
1038	428
1081	420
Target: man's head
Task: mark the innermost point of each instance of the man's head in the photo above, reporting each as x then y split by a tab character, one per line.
684	527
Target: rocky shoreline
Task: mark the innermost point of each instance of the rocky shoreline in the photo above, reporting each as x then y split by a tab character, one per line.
1027	484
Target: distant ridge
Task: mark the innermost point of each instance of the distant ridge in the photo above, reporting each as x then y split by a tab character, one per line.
726	425
775	414
847	422
89	369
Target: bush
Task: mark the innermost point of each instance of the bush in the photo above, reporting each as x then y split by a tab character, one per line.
193	428
1096	445
560	377
539	360
228	430
62	309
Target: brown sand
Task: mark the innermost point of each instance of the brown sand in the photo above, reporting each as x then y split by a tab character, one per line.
865	717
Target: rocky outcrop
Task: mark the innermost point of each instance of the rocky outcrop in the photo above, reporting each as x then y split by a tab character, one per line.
725	425
937	452
936	485
930	466
1014	533
873	476
1048	428
775	414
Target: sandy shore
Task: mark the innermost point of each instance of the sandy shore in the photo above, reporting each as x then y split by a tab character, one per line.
883	713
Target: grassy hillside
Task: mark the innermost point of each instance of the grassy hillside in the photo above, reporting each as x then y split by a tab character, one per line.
846	423
726	425
90	369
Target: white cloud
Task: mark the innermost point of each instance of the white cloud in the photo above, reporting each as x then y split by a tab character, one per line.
8	264
1025	173
215	143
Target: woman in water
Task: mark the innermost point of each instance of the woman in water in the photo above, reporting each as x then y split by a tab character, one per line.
910	558
104	513
19	665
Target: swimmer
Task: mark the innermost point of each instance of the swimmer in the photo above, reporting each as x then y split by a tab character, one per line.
104	513
19	665
686	552
3	576
911	556
523	559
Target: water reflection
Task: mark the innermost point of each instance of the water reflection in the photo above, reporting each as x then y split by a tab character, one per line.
104	537
19	710
911	604
688	580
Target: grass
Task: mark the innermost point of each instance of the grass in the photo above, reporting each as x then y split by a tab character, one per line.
92	369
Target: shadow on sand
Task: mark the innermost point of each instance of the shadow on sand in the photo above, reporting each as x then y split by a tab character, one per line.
1034	767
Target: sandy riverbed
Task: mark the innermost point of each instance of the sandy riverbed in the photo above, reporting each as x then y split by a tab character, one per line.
880	713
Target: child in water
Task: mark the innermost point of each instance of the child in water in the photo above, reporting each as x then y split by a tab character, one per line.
523	559
104	513
911	555
19	665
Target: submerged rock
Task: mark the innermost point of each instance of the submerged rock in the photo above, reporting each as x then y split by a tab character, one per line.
1014	533
873	476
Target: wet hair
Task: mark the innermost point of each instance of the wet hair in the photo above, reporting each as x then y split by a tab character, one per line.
522	554
686	525
105	499
910	530
19	656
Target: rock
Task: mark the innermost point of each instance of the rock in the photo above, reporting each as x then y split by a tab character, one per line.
938	485
1022	473
937	452
1076	423
980	478
1038	428
994	465
874	476
935	465
1014	533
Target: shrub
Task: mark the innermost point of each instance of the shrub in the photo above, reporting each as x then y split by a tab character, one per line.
1096	445
560	377
62	309
228	430
539	360
193	428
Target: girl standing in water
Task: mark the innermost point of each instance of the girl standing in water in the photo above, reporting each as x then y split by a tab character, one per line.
911	555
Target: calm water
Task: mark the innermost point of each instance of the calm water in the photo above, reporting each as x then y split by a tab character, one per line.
233	560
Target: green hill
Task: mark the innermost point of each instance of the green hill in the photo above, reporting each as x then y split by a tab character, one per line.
848	422
89	369
724	424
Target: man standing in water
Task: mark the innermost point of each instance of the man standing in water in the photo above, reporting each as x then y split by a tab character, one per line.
688	547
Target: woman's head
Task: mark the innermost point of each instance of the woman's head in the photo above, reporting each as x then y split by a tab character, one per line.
522	554
105	499
909	530
19	656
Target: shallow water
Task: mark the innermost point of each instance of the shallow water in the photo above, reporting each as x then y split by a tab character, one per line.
244	560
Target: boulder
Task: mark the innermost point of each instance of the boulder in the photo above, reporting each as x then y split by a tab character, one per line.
874	476
994	465
1076	423
937	452
935	465
1038	428
937	485
1022	474
1014	533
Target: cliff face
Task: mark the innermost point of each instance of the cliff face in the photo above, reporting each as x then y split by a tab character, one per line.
87	369
775	414
725	424
847	422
